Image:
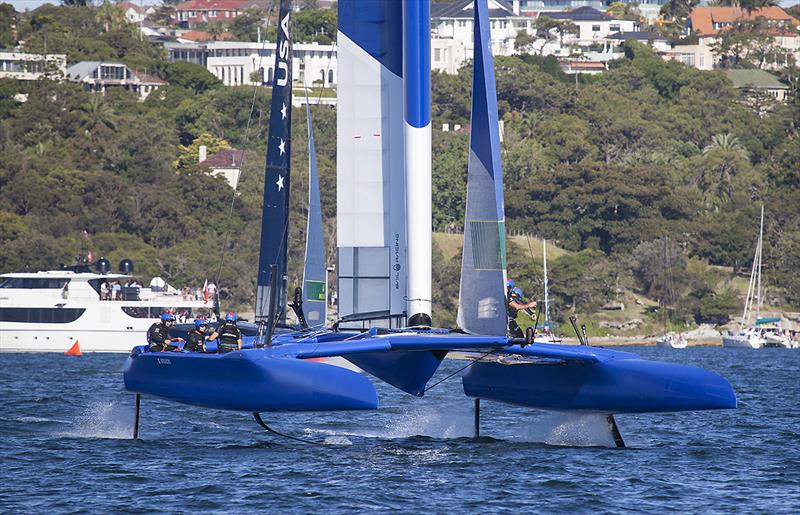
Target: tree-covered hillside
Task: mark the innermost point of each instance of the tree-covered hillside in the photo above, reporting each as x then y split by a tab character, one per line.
646	160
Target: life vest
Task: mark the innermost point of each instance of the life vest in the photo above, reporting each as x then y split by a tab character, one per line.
229	334
157	334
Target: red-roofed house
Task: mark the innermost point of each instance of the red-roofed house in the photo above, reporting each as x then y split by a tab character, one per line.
227	163
190	14
709	22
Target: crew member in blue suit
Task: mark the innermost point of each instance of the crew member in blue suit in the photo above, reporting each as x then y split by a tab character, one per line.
230	337
158	337
515	304
197	337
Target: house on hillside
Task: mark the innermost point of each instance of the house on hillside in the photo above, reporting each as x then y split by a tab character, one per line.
238	63
136	13
189	14
653	39
99	76
226	163
709	22
594	27
696	56
756	83
23	66
452	34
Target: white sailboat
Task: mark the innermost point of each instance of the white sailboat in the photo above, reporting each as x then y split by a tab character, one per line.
754	331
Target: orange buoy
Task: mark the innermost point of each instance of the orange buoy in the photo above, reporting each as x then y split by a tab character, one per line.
75	350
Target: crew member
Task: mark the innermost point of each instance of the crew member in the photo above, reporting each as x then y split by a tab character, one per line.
230	337
197	337
515	303
158	337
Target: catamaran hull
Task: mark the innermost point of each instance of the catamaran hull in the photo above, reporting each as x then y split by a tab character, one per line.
612	386
250	380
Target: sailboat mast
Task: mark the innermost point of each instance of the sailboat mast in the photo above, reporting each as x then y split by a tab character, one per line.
546	295
275	214
759	254
417	131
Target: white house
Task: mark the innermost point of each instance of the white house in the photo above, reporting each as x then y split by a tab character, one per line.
99	76
226	163
22	66
594	27
238	63
134	13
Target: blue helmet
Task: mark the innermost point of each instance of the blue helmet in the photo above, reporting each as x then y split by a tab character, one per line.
517	292
509	283
167	316
230	317
198	323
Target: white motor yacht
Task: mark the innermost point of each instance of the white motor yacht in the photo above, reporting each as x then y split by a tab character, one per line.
51	311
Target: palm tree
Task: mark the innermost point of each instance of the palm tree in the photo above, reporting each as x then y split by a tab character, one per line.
726	141
110	16
98	115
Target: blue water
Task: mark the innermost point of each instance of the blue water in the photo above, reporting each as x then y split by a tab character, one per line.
65	426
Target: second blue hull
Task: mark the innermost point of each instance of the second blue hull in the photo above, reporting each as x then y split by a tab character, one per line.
627	385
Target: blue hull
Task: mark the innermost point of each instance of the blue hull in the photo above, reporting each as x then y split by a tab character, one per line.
624	385
258	380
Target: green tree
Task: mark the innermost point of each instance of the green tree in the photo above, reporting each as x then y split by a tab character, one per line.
188	156
191	76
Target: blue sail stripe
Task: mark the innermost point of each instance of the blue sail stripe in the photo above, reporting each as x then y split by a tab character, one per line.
376	26
417	62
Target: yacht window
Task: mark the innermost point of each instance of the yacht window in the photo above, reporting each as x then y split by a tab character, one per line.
96	284
136	311
41	315
156	312
33	283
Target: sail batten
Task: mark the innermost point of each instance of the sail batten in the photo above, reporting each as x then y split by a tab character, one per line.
275	214
482	302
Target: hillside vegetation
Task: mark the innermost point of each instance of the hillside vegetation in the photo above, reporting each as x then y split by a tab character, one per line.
647	175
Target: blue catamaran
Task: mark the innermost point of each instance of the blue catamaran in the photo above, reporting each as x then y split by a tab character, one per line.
384	54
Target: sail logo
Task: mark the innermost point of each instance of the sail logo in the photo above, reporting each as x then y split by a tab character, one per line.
397	266
282	74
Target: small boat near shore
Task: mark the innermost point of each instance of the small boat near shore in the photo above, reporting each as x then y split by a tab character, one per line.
672	340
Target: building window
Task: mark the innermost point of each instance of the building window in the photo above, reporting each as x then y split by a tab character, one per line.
330	77
437	55
595	28
614	27
192	14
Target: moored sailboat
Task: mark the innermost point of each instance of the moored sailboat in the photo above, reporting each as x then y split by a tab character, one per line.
756	332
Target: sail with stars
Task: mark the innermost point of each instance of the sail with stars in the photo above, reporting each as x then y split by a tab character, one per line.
275	215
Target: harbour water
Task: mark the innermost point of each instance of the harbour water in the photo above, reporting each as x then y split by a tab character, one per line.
65	427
